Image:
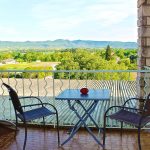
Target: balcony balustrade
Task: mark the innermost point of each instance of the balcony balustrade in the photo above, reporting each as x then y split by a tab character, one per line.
48	84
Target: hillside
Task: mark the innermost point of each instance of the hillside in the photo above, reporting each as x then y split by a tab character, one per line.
60	43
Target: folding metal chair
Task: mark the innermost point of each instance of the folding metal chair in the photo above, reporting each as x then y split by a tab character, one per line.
40	111
129	115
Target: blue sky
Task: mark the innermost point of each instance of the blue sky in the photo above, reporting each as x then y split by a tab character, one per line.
40	20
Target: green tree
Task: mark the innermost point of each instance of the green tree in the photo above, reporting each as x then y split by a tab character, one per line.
36	74
108	53
30	56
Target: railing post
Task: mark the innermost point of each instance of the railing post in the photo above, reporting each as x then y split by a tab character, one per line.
53	77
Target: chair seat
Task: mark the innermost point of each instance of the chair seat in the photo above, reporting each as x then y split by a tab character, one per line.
36	113
129	117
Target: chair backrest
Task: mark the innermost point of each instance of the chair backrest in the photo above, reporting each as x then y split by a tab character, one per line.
14	97
147	104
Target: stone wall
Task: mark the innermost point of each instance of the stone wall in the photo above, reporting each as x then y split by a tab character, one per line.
143	24
143	33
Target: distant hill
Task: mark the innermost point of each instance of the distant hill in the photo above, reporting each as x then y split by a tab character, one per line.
60	43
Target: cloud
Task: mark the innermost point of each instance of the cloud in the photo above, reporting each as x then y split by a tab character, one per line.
66	13
58	24
84	19
109	12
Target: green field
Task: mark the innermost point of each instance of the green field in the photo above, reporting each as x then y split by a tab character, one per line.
25	65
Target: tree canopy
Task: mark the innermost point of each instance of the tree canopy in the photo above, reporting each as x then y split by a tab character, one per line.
78	59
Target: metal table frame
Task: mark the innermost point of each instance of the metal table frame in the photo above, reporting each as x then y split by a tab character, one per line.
74	97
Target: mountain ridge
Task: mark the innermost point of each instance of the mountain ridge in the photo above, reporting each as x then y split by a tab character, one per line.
61	43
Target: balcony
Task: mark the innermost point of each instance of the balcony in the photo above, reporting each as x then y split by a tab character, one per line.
48	84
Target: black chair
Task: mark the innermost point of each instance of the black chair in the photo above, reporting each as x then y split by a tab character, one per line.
40	111
133	116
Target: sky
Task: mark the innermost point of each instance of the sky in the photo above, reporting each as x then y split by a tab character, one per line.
40	20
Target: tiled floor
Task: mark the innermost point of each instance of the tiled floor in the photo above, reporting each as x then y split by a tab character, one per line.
40	140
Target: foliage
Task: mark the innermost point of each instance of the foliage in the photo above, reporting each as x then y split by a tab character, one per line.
108	53
73	59
33	74
85	60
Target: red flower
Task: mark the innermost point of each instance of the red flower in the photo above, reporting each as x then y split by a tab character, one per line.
84	90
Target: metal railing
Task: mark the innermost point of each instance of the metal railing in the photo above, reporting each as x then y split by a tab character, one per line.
48	84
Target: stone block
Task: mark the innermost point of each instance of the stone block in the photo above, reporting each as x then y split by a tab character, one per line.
141	62
139	52
147	42
147	61
148	20
140	2
144	10
144	32
145	52
141	82
143	42
148	1
140	91
143	21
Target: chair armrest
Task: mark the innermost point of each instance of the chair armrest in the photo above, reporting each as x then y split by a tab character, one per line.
120	107
51	106
27	97
24	106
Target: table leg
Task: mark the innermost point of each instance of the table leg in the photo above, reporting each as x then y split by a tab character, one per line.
78	124
82	121
86	110
90	114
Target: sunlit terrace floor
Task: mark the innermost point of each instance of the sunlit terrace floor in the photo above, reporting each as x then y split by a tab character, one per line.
40	140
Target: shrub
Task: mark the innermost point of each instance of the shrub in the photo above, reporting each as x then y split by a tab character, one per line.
39	74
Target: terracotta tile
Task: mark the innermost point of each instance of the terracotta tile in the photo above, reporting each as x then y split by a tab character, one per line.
40	140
